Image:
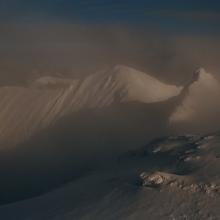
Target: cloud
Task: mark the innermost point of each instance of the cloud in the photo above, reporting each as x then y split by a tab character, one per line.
79	50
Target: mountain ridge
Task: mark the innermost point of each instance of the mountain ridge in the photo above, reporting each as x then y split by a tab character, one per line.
25	110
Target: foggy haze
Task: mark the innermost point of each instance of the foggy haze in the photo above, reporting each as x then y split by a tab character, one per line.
30	50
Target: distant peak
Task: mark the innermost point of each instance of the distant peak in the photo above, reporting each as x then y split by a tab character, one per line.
199	71
196	75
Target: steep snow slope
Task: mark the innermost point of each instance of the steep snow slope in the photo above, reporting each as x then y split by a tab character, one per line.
170	178
140	86
199	106
25	110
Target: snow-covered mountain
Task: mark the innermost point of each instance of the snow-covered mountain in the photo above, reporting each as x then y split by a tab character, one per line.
199	107
26	110
56	133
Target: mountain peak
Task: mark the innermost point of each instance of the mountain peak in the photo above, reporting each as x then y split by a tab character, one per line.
200	71
120	67
198	101
123	69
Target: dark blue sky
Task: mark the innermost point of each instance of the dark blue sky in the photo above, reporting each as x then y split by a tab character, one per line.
155	12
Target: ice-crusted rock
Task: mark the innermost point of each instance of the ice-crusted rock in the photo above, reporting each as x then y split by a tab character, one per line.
157	178
154	179
185	183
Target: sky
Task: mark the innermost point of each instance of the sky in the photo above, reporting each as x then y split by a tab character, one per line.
172	14
81	37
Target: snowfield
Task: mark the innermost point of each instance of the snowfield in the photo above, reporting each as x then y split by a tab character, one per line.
170	178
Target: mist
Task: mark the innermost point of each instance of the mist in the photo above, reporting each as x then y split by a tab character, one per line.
28	50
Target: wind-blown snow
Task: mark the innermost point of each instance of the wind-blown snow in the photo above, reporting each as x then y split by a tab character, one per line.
25	110
200	102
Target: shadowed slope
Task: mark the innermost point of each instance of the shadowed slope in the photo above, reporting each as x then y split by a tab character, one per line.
178	174
76	144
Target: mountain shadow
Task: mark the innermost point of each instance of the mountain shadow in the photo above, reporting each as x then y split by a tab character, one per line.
78	143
